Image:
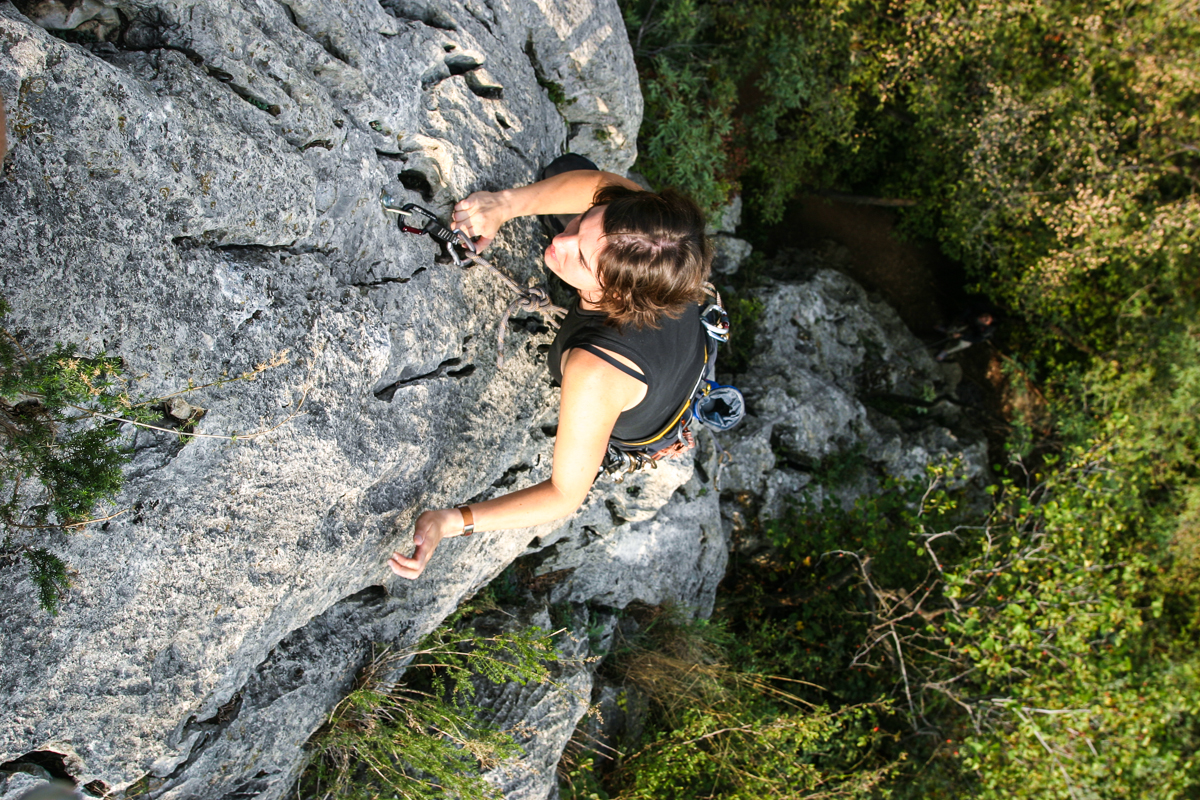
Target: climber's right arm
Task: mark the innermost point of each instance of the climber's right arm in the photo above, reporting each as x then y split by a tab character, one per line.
481	214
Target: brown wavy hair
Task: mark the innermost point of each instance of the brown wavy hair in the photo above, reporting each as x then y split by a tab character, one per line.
655	257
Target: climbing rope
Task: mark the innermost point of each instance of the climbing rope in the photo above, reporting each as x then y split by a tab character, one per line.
529	298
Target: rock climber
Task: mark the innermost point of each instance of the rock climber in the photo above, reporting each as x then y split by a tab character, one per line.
628	352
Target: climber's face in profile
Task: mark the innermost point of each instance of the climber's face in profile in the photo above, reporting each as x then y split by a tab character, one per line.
573	254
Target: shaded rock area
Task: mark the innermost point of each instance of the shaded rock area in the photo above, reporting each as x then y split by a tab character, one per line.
193	185
729	252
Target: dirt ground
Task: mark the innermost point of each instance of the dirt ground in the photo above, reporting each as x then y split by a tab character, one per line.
915	278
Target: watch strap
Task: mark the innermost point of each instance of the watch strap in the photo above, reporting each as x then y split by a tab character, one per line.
468	520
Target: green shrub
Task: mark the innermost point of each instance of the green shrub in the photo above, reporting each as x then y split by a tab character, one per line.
738	90
723	730
60	452
1031	644
420	737
57	463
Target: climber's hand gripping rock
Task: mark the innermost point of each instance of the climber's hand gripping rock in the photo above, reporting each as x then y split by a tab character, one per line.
480	216
432	526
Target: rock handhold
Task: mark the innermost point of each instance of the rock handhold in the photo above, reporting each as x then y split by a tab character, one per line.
484	85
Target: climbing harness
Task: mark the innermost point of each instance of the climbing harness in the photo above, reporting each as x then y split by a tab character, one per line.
713	405
421	221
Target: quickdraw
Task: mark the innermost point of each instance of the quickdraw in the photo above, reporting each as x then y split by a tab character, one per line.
421	221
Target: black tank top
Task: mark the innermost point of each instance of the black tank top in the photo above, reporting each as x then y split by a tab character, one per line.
670	357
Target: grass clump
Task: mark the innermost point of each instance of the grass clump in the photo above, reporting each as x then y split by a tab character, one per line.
721	727
418	736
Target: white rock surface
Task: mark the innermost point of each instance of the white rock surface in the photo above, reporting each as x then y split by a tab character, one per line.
824	351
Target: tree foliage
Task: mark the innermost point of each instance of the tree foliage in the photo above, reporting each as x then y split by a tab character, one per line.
1046	645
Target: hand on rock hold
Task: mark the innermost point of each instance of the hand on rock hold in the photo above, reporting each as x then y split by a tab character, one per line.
480	216
432	526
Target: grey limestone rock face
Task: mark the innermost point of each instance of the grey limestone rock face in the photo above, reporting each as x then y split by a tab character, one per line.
826	358
200	193
676	558
729	253
585	63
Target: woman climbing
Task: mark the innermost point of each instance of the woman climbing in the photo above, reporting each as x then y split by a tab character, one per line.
627	354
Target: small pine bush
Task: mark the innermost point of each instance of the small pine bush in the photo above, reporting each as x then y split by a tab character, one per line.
58	463
419	737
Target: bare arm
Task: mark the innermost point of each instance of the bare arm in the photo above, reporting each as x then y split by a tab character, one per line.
593	395
481	214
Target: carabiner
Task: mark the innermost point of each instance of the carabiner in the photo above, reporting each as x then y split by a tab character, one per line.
420	221
716	322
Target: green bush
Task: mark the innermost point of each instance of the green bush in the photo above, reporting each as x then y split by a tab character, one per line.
722	728
1040	651
419	737
57	463
747	92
